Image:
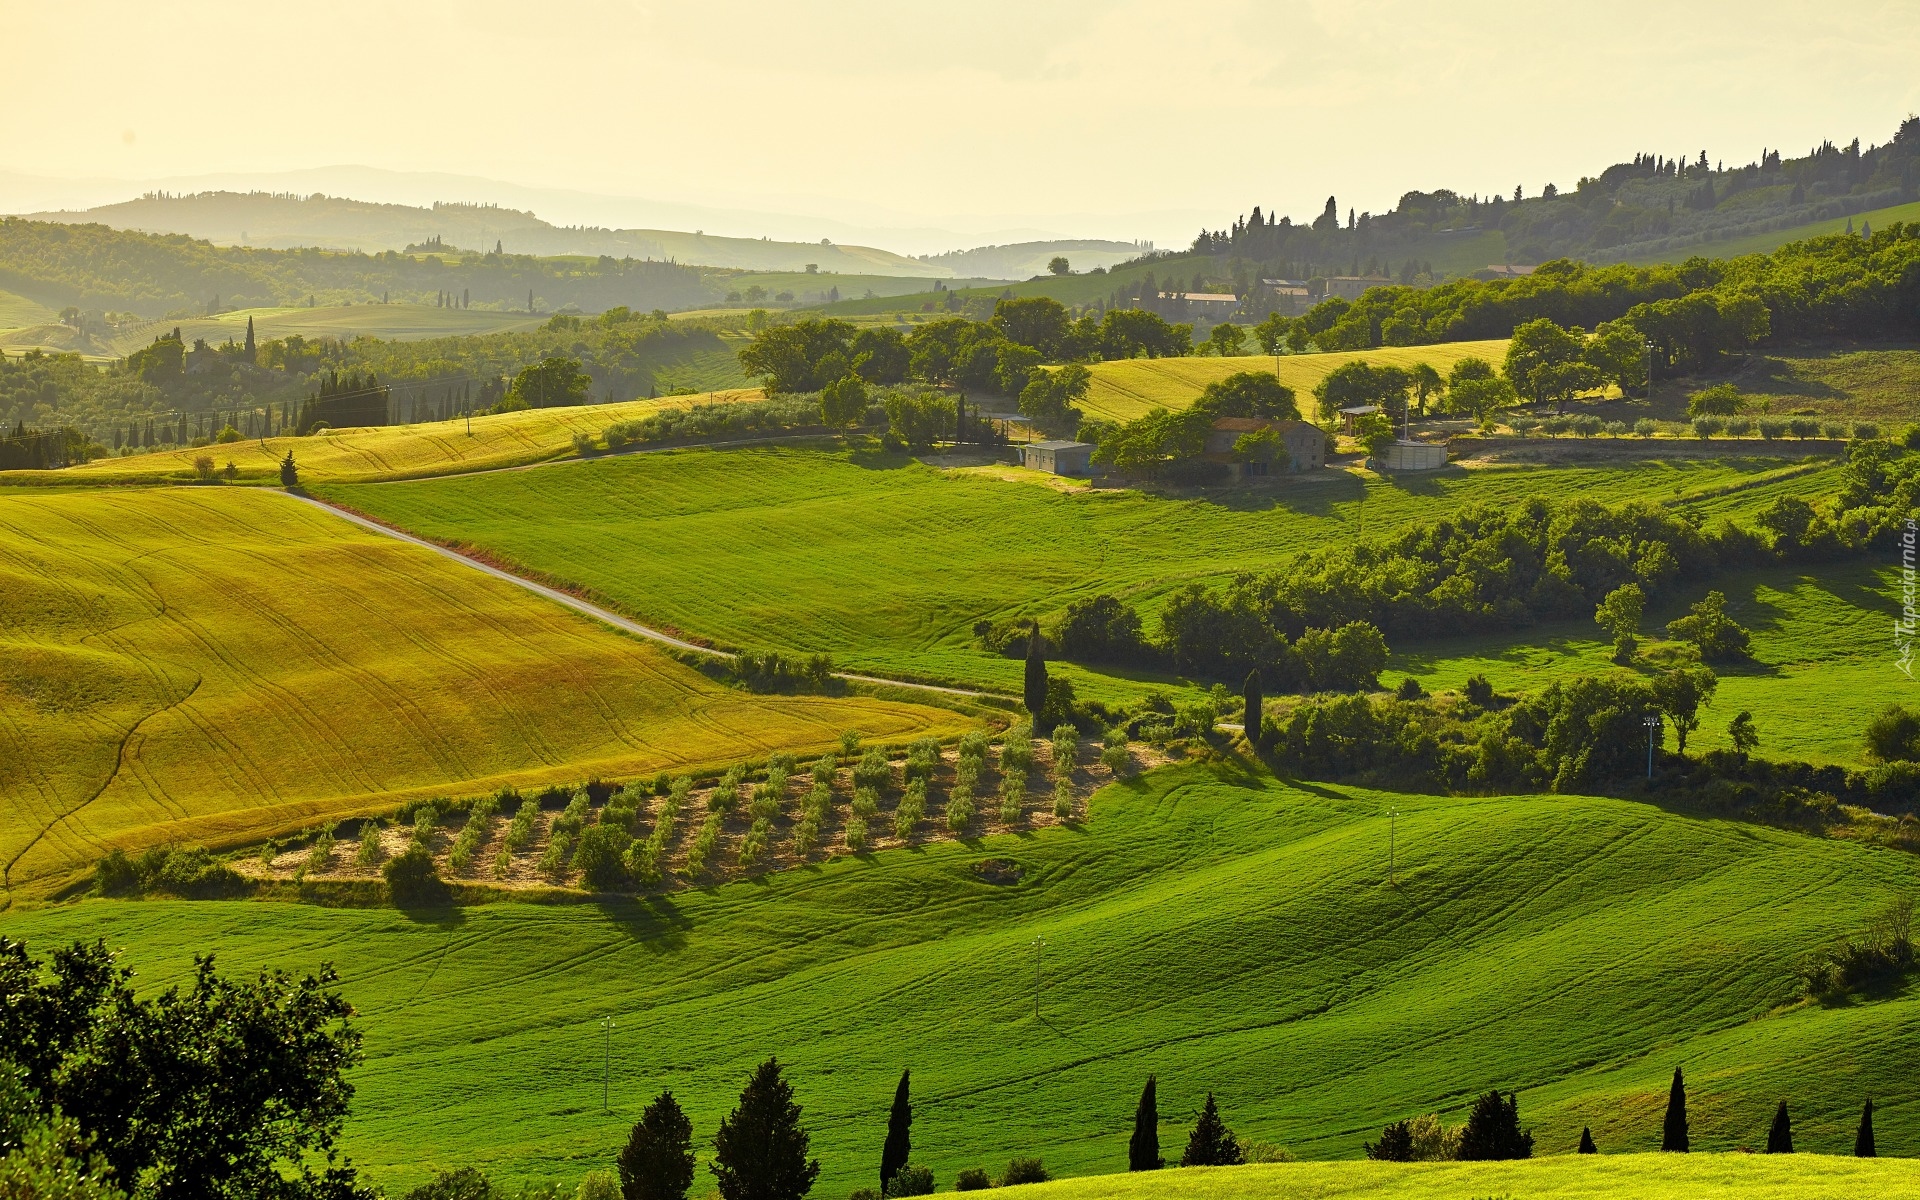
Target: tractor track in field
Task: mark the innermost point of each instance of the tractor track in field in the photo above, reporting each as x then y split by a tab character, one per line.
604	615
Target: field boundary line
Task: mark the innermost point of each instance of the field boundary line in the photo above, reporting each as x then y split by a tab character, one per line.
590	609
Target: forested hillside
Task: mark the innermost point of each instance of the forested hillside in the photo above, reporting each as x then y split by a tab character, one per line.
93	267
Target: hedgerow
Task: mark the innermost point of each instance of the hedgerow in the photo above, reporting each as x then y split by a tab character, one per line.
715	420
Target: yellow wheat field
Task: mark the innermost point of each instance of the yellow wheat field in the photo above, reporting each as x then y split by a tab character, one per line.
211	665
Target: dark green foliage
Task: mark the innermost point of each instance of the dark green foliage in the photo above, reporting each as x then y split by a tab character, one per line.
1143	1148
1034	691
412	879
1478	691
1673	1130
1707	626
1863	1136
192	872
972	1179
1251	719
657	1161
714	421
898	1147
1875	959
1211	1144
289	474
1024	1170
1586	1142
1894	735
554	382
1493	1130
1102	629
1780	1133
760	1152
1249	394
909	1180
1395	1144
1409	689
463	1183
771	671
222	1089
600	857
343	402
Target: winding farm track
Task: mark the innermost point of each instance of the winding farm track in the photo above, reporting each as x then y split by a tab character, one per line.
587	608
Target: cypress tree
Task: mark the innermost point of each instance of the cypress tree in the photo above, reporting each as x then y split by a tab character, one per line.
1673	1134
1211	1144
1036	680
1586	1141
1493	1132
1863	1138
289	474
249	346
1780	1136
760	1152
657	1162
1252	718
1143	1149
898	1147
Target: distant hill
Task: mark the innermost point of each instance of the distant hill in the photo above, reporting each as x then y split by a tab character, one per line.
276	220
1024	260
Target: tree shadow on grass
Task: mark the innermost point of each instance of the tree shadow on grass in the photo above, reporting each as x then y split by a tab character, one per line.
654	920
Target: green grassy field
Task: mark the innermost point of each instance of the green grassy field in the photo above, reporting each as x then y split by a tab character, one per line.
887	564
1640	1176
1228	932
213	665
1876	383
1823	659
17	312
1127	388
385	452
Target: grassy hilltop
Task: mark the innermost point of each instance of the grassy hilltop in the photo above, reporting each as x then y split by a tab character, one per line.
1228	931
888	564
184	666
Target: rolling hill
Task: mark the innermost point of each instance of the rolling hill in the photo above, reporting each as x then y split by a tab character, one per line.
214	665
888	564
280	221
1226	931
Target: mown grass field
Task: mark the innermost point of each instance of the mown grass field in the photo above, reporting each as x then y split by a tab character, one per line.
1128	388
887	564
385	452
1641	1176
211	665
1226	931
1878	383
1824	659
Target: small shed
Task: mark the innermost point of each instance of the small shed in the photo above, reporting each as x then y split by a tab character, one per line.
1349	415
1412	456
1059	458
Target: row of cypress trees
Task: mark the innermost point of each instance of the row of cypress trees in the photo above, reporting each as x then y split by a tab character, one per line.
1674	1139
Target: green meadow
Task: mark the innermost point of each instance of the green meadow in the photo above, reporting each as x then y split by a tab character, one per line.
888	564
1229	932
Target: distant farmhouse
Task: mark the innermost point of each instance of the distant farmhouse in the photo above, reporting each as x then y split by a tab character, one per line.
1288	297
1349	287
1306	446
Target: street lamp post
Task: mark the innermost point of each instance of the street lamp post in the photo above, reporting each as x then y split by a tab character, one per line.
1653	733
606	1066
1039	944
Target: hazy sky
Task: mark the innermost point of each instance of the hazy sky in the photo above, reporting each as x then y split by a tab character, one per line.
1103	117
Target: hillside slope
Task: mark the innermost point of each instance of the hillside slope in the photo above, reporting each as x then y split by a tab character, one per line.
1228	932
212	665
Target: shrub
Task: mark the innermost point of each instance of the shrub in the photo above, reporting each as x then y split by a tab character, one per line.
1833	429
1803	428
1880	956
1865	431
1645	427
1066	751
856	834
911	810
1063	798
1016	752
1478	691
1720	400
1409	689
849	743
910	1180
1739	427
866	802
705	841
466	1183
1706	427
923	759
1616	429
1771	427
600	858
553	860
1013	795
369	853
425	819
1493	1132
473	835
502	863
320	853
411	878
1024	1170
1894	735
725	796
1432	1140
873	771
520	830
1266	1152
960	805
1395	1144
972	1179
1718	636
573	818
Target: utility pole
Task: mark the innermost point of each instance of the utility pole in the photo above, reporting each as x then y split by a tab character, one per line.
606	1067
1039	944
